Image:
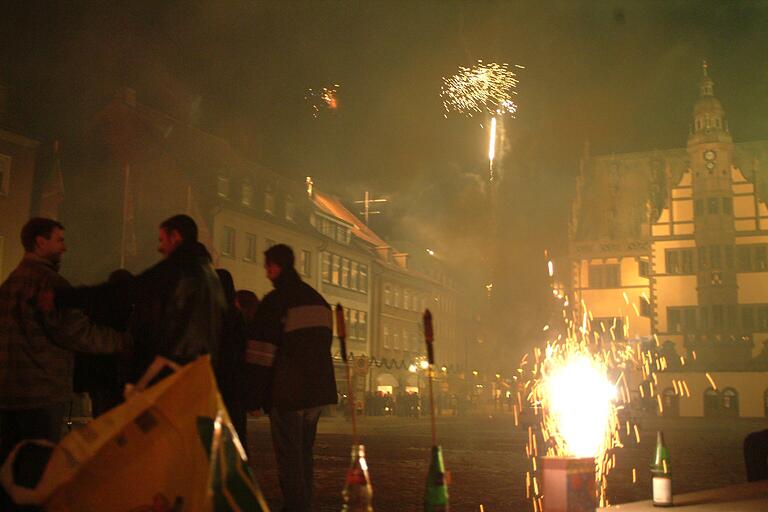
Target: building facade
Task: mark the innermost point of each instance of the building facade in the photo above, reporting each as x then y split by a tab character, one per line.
671	248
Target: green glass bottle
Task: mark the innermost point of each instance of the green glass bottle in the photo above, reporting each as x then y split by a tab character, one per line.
661	474
357	495
436	495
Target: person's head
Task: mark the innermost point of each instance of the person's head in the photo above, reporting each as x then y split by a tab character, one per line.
277	259
44	238
174	231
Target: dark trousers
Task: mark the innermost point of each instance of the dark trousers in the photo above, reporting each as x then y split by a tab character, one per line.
20	424
756	455
293	439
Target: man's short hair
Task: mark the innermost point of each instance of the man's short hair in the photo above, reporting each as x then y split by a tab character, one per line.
183	224
281	255
35	227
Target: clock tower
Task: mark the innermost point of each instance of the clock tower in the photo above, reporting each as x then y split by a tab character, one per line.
710	153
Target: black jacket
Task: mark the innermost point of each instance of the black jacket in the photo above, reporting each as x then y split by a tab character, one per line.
179	309
288	353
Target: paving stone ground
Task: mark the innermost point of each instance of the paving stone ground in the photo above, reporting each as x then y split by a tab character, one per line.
486	458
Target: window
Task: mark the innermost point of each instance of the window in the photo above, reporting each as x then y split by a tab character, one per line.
269	201
386	336
730	403
335	269
679	261
397	297
728	205
714	257
353	273
703	257
396	341
645	307
289	208
704	318
362	331
387	295
222	186
5	175
762	318
406	299
752	258
713	205
406	343
247	198
673	262
228	241
352	324
711	402
731	317
604	276
344	273
305	263
670	403
674	320
362	284
643	268
251	250
728	256
689	319
747	319
717	317
326	272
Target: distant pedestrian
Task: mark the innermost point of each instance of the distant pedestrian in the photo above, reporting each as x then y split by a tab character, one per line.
180	305
291	372
38	343
230	371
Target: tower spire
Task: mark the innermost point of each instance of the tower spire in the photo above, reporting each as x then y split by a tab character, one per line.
706	86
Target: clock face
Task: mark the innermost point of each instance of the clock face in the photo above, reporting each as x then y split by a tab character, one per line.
710	165
709	155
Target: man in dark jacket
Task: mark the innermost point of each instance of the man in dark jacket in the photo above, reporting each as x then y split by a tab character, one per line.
179	303
37	345
291	372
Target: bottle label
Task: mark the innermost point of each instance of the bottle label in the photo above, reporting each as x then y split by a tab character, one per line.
662	491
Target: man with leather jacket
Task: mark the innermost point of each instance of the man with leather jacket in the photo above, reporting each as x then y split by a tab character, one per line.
179	303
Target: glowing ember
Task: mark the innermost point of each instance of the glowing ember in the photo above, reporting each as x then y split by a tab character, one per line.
579	400
323	99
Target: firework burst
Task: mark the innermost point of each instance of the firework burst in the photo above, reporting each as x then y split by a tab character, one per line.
485	88
322	99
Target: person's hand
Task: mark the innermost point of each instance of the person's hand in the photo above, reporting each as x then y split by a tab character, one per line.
46	300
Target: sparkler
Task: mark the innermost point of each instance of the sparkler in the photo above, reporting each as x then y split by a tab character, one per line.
322	99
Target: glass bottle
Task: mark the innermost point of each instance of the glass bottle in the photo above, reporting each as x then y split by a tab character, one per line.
357	495
661	475
436	495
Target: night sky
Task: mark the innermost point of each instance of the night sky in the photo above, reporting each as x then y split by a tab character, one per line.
622	75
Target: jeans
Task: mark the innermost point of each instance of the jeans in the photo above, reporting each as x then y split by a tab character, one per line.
293	438
17	425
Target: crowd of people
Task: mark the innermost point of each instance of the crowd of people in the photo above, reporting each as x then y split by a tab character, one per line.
271	355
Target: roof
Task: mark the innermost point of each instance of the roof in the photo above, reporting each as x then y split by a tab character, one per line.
334	207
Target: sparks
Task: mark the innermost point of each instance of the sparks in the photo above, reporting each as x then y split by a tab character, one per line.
325	98
483	88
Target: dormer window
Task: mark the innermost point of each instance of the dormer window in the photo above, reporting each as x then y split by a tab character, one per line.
247	198
269	201
222	186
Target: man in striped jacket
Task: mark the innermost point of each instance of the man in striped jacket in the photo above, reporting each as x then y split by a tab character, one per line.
290	371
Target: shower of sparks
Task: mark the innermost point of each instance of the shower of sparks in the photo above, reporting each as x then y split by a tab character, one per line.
323	99
492	147
482	89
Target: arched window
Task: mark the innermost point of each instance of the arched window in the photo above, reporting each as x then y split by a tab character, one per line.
269	200
387	295
730	403
711	402
670	403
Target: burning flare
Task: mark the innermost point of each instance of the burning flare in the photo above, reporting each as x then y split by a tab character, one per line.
579	400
